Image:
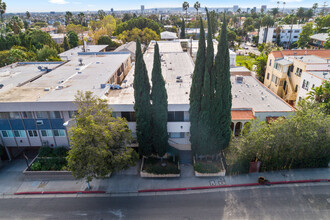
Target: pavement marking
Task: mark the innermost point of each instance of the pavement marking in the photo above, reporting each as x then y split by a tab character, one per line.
118	213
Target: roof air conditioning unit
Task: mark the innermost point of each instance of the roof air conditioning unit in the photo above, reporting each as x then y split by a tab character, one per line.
239	79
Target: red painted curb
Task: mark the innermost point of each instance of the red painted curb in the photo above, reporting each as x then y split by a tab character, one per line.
233	185
59	192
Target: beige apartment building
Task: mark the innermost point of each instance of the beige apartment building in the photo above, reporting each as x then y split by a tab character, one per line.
284	70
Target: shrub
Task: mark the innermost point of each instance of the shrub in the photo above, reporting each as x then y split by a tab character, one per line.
60	151
207	167
153	165
45	152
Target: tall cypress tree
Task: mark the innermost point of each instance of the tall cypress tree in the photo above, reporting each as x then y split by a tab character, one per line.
142	104
159	107
183	30
196	92
66	44
223	99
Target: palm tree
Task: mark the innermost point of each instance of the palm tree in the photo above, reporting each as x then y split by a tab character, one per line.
197	5
278	4
283	7
3	8
239	14
268	22
185	7
81	17
315	5
274	12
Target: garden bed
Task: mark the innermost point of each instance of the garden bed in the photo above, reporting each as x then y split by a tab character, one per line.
205	168
153	167
50	163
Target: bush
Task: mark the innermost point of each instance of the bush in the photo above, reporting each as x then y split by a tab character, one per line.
207	167
60	151
45	152
154	165
49	164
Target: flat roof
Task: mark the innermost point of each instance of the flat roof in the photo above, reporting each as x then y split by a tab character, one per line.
63	83
249	94
320	36
69	54
19	73
325	75
283	62
309	59
195	46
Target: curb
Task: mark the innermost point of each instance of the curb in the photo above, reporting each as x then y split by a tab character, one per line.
234	185
59	192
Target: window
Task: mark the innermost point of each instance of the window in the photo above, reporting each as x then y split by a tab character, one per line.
59	133
14	115
33	133
296	31
41	114
26	115
175	116
55	114
7	134
295	36
72	114
19	133
270	62
296	89
176	134
4	115
46	133
267	75
130	116
307	85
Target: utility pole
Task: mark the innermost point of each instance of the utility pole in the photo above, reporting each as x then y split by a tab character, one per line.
290	33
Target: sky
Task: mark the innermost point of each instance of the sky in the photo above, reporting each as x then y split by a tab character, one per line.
94	5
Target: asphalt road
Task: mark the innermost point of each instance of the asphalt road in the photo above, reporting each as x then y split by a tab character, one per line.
302	202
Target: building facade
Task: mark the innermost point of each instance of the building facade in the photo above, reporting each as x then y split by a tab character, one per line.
286	34
284	70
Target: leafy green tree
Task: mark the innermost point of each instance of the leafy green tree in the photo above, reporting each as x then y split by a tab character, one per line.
98	141
281	145
274	12
66	44
159	107
214	22
28	15
73	39
101	14
16	24
68	17
39	39
139	23
126	17
142	105
300	14
3	8
261	66
196	92
183	30
146	35
47	54
106	40
223	97
231	37
304	36
321	95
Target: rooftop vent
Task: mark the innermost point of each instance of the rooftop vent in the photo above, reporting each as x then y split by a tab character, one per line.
178	77
179	80
239	79
80	62
61	81
46	89
59	87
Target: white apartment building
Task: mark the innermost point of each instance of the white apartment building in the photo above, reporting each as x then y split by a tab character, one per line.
288	33
310	80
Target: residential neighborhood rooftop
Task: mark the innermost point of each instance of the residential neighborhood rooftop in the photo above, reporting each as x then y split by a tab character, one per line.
319	53
320	36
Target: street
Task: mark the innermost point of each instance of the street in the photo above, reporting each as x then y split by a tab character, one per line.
285	202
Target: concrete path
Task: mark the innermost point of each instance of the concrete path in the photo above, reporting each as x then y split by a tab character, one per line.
129	181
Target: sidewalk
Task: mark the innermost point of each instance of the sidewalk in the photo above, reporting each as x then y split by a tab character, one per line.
128	181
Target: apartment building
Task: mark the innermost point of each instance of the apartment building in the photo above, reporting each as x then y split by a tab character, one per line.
289	33
318	40
37	99
284	70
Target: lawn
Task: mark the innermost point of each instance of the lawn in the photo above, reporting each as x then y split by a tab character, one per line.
208	166
246	61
